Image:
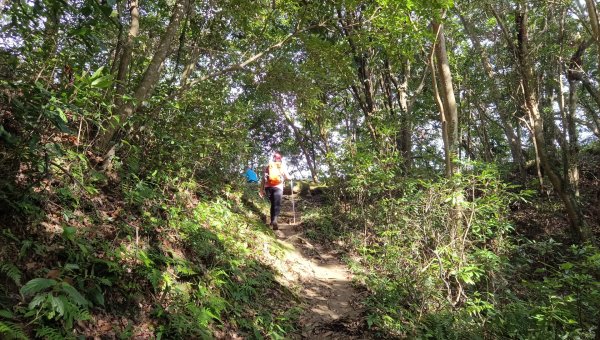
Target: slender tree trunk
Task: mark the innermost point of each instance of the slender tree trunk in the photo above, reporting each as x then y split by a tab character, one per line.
591	90
313	152
483	131
54	12
190	66
120	40
575	74
573	145
536	147
181	46
323	133
49	48
563	115
445	142
577	224
593	14
127	54
514	140
447	95
449	113
594	126
405	139
150	77
365	95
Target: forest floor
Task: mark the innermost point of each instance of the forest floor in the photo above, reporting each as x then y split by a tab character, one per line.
317	273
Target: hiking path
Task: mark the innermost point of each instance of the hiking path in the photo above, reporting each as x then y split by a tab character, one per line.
316	271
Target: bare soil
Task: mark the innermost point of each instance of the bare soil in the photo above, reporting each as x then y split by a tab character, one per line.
331	303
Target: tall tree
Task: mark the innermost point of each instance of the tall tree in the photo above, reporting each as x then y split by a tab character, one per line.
449	110
531	104
494	86
125	108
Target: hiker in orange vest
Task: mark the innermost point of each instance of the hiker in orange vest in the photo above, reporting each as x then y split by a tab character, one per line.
272	182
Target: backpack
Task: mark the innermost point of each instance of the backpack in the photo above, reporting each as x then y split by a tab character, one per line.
274	175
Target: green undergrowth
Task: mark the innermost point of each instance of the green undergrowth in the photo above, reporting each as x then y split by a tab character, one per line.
318	218
158	257
320	225
440	260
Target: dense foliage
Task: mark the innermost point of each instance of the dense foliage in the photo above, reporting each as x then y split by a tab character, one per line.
456	142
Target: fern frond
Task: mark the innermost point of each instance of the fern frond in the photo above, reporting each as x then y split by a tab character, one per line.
10	330
75	296
12	272
82	314
49	333
36	285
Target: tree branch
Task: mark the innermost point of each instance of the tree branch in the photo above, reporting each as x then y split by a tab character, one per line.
241	65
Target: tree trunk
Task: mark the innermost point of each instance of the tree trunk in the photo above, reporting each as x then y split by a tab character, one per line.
447	95
483	131
189	67
594	125
127	54
444	122
593	14
120	40
514	140
404	141
574	75
573	144
575	216
365	96
150	77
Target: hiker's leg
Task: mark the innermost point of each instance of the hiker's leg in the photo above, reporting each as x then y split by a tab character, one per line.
271	194
276	206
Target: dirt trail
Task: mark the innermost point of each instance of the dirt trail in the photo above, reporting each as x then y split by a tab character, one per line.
330	301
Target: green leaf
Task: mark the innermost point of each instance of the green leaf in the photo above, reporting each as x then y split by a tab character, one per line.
11	330
6	314
102	82
36	285
11	271
74	294
99	297
97	73
58	305
37	300
6	136
91	190
71	266
62	115
566	266
69	232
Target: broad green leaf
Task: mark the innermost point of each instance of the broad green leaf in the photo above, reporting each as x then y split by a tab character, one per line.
99	298
566	266
97	73
62	114
37	300
6	314
74	294
58	305
102	82
36	285
71	266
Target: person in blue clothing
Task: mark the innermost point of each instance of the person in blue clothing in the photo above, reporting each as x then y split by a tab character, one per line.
251	176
